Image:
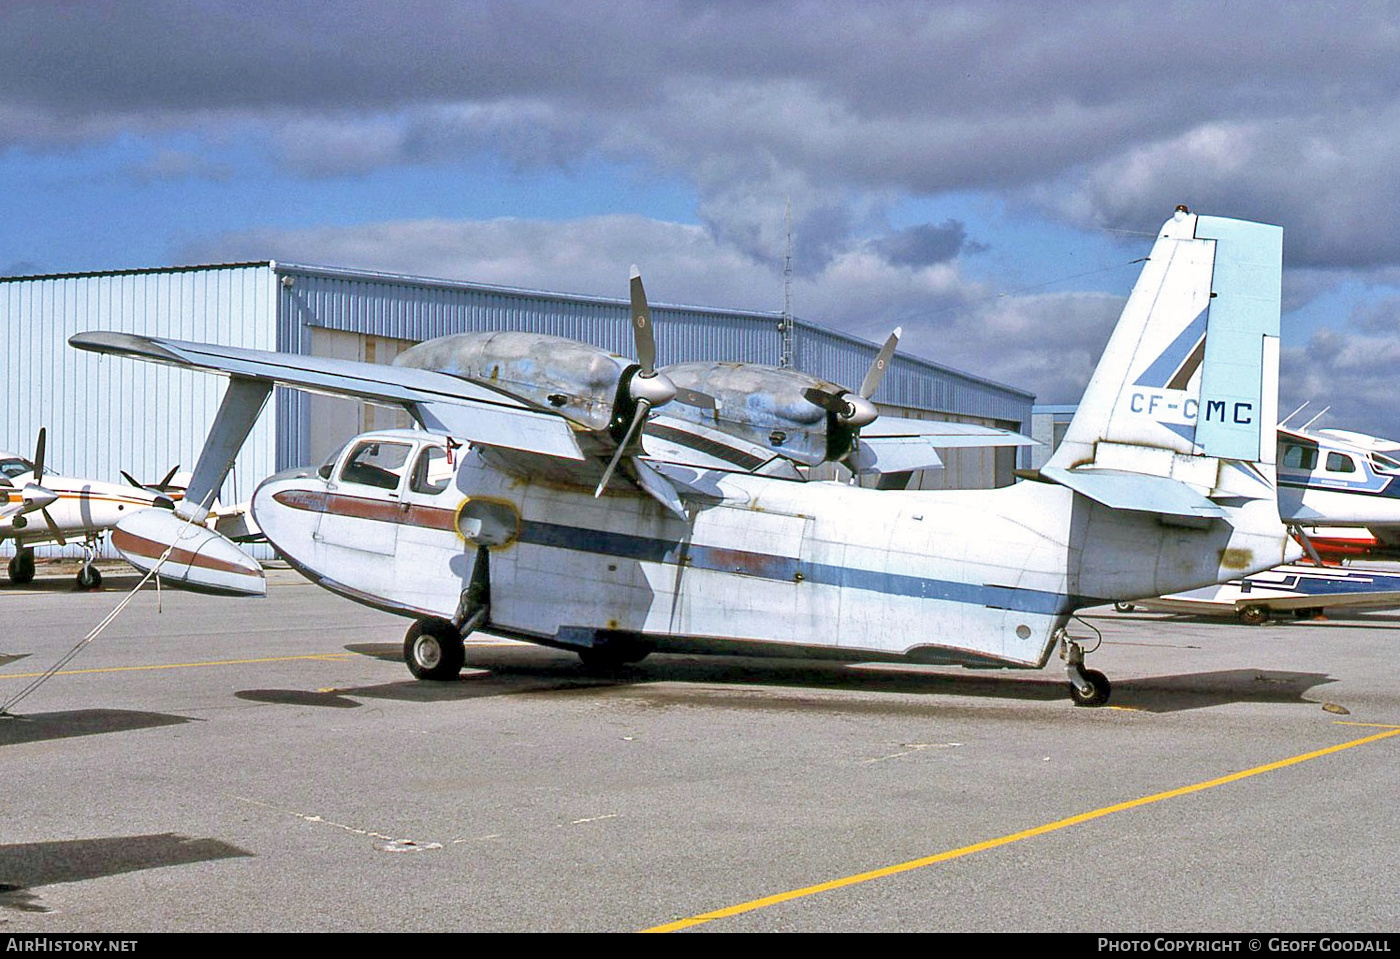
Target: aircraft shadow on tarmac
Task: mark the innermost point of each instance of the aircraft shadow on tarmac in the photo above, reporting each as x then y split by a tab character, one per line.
65	581
27	866
41	727
533	670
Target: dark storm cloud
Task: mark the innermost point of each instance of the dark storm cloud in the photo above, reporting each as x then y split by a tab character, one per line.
1101	114
925	244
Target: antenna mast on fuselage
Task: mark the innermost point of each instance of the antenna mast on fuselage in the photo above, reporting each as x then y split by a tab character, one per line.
785	327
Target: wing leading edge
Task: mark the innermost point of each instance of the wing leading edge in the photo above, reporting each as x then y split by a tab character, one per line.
438	400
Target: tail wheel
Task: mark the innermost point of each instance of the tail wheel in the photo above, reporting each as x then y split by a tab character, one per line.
433	649
1100	689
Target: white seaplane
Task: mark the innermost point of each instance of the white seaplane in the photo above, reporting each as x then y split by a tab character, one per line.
568	496
39	506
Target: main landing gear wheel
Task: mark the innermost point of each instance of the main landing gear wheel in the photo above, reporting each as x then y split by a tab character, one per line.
1099	689
89	578
1254	615
22	567
433	649
1124	607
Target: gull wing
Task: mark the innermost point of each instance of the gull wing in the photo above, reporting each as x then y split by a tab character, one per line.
439	401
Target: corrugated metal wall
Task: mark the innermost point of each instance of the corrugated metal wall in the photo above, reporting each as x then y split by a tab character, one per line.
107	414
415	309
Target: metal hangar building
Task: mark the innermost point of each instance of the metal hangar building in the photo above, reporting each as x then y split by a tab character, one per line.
108	414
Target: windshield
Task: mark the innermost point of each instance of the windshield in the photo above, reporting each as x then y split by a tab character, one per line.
10	468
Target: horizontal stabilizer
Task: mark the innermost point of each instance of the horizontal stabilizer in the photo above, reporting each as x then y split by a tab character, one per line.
439	400
945	435
894	454
1136	491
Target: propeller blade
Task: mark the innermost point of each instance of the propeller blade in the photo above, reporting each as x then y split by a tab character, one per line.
876	373
637	418
39	455
695	398
164	484
53	527
641	324
131	479
831	402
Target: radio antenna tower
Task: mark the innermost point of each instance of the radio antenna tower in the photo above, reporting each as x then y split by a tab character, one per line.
785	327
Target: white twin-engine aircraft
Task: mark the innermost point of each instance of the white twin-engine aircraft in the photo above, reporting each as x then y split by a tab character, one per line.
39	506
567	496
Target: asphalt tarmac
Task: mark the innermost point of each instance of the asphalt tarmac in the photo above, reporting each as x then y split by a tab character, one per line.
220	764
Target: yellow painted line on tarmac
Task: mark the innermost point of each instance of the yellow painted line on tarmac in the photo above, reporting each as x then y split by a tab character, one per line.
755	904
330	657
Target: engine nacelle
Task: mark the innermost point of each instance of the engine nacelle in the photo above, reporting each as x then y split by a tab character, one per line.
578	380
766	405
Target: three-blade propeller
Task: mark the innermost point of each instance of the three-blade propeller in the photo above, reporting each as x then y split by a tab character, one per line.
35	497
855	409
647	389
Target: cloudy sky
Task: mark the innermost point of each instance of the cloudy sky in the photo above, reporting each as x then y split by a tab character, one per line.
983	174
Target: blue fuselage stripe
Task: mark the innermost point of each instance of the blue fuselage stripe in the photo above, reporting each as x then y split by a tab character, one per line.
792	570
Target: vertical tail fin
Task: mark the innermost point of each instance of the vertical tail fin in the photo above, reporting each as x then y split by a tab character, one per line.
1190	374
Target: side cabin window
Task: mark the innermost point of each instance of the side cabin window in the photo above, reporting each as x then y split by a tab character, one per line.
1300	457
376	464
1340	463
432	473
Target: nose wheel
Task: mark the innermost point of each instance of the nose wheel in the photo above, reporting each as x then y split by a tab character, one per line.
21	568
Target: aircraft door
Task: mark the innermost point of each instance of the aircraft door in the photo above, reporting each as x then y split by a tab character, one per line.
364	508
434	562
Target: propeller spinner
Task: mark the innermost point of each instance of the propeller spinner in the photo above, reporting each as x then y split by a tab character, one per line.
855	409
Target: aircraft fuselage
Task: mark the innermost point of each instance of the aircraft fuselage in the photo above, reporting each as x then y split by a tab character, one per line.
976	577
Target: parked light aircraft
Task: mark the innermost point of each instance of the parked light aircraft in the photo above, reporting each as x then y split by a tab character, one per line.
1340	490
567	496
1343	488
39	506
1302	589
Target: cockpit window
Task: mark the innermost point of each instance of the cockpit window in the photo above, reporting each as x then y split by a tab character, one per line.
376	464
10	468
432	473
1385	463
1300	457
1340	463
325	469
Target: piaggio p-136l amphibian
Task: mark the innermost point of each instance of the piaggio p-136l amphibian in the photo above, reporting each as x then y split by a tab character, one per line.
565	495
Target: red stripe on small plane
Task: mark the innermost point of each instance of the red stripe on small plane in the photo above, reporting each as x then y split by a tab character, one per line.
359	507
153	550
